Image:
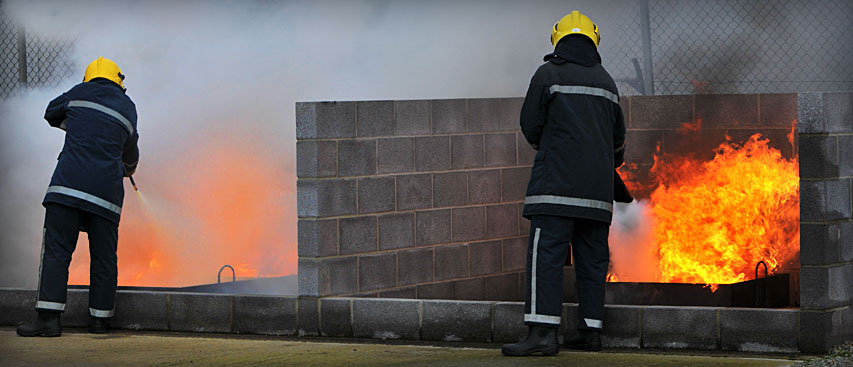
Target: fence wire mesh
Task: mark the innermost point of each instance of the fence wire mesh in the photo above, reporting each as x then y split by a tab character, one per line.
649	46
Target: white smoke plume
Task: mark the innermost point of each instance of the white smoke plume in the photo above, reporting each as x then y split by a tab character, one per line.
211	73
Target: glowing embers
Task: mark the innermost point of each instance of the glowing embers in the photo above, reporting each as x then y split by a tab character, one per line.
710	222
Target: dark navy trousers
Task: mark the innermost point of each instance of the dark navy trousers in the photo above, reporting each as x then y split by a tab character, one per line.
62	225
548	247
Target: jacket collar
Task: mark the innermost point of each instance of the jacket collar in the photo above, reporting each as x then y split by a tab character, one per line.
575	49
107	82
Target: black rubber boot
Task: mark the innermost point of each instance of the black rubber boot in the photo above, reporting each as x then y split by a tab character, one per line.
98	325
46	324
585	340
541	339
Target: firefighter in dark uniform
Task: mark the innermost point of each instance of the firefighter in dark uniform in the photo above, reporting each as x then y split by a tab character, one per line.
86	193
571	116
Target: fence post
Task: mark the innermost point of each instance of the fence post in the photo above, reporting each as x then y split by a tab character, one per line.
22	55
646	32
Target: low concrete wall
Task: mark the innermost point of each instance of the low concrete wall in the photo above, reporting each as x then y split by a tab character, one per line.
708	328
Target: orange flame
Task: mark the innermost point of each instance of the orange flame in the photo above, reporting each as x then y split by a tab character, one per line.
713	221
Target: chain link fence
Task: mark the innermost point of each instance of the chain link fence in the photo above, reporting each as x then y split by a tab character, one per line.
650	47
28	60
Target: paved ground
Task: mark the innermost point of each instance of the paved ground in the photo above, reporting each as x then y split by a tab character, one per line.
175	349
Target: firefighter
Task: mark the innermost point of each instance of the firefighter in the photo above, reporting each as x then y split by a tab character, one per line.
571	117
86	193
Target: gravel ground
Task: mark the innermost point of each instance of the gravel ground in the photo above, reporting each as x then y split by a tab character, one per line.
840	356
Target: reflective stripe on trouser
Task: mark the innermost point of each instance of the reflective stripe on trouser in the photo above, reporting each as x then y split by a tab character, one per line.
550	237
62	224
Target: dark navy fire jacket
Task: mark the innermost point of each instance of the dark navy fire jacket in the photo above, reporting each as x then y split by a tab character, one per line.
100	148
571	115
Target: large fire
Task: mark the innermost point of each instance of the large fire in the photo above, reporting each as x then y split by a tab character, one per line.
225	206
713	221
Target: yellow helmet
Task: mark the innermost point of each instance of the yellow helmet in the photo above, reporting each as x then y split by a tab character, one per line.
575	23
104	68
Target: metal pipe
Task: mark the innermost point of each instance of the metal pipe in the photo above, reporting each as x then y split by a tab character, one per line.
646	33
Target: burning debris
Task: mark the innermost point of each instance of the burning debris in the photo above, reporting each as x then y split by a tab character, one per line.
711	222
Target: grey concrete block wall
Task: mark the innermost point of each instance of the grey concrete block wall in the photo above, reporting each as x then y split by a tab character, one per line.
826	218
392	196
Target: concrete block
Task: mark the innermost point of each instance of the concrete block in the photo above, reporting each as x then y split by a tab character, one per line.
821	330
308	277
827	200
450	189
336	317
451	262
810	113
308	316
845	155
621	326
18	306
356	157
455	321
640	145
514	183
511	113
485	258
412	117
846	243
500	150
758	330
404	293
523	223
700	144
337	276
819	243
814	288
484	186
265	315
502	220
141	310
526	153
318	120
316	158
76	309
818	156
415	266
385	319
448	116
358	235
432	153
325	198
377	272
673	327
508	322
414	191
396	231
432	227
838	111
484	115
435	291
503	288
727	110
625	106
396	155
185	316
778	110
514	253
470	289
569	320
847	323
466	151
317	238
660	112
469	224
375	118
376	194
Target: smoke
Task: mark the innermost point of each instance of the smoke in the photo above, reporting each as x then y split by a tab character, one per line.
633	252
215	85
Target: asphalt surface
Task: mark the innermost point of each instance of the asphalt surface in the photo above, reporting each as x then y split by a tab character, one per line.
123	348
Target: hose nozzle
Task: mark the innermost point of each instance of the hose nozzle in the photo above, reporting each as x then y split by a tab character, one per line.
133	183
